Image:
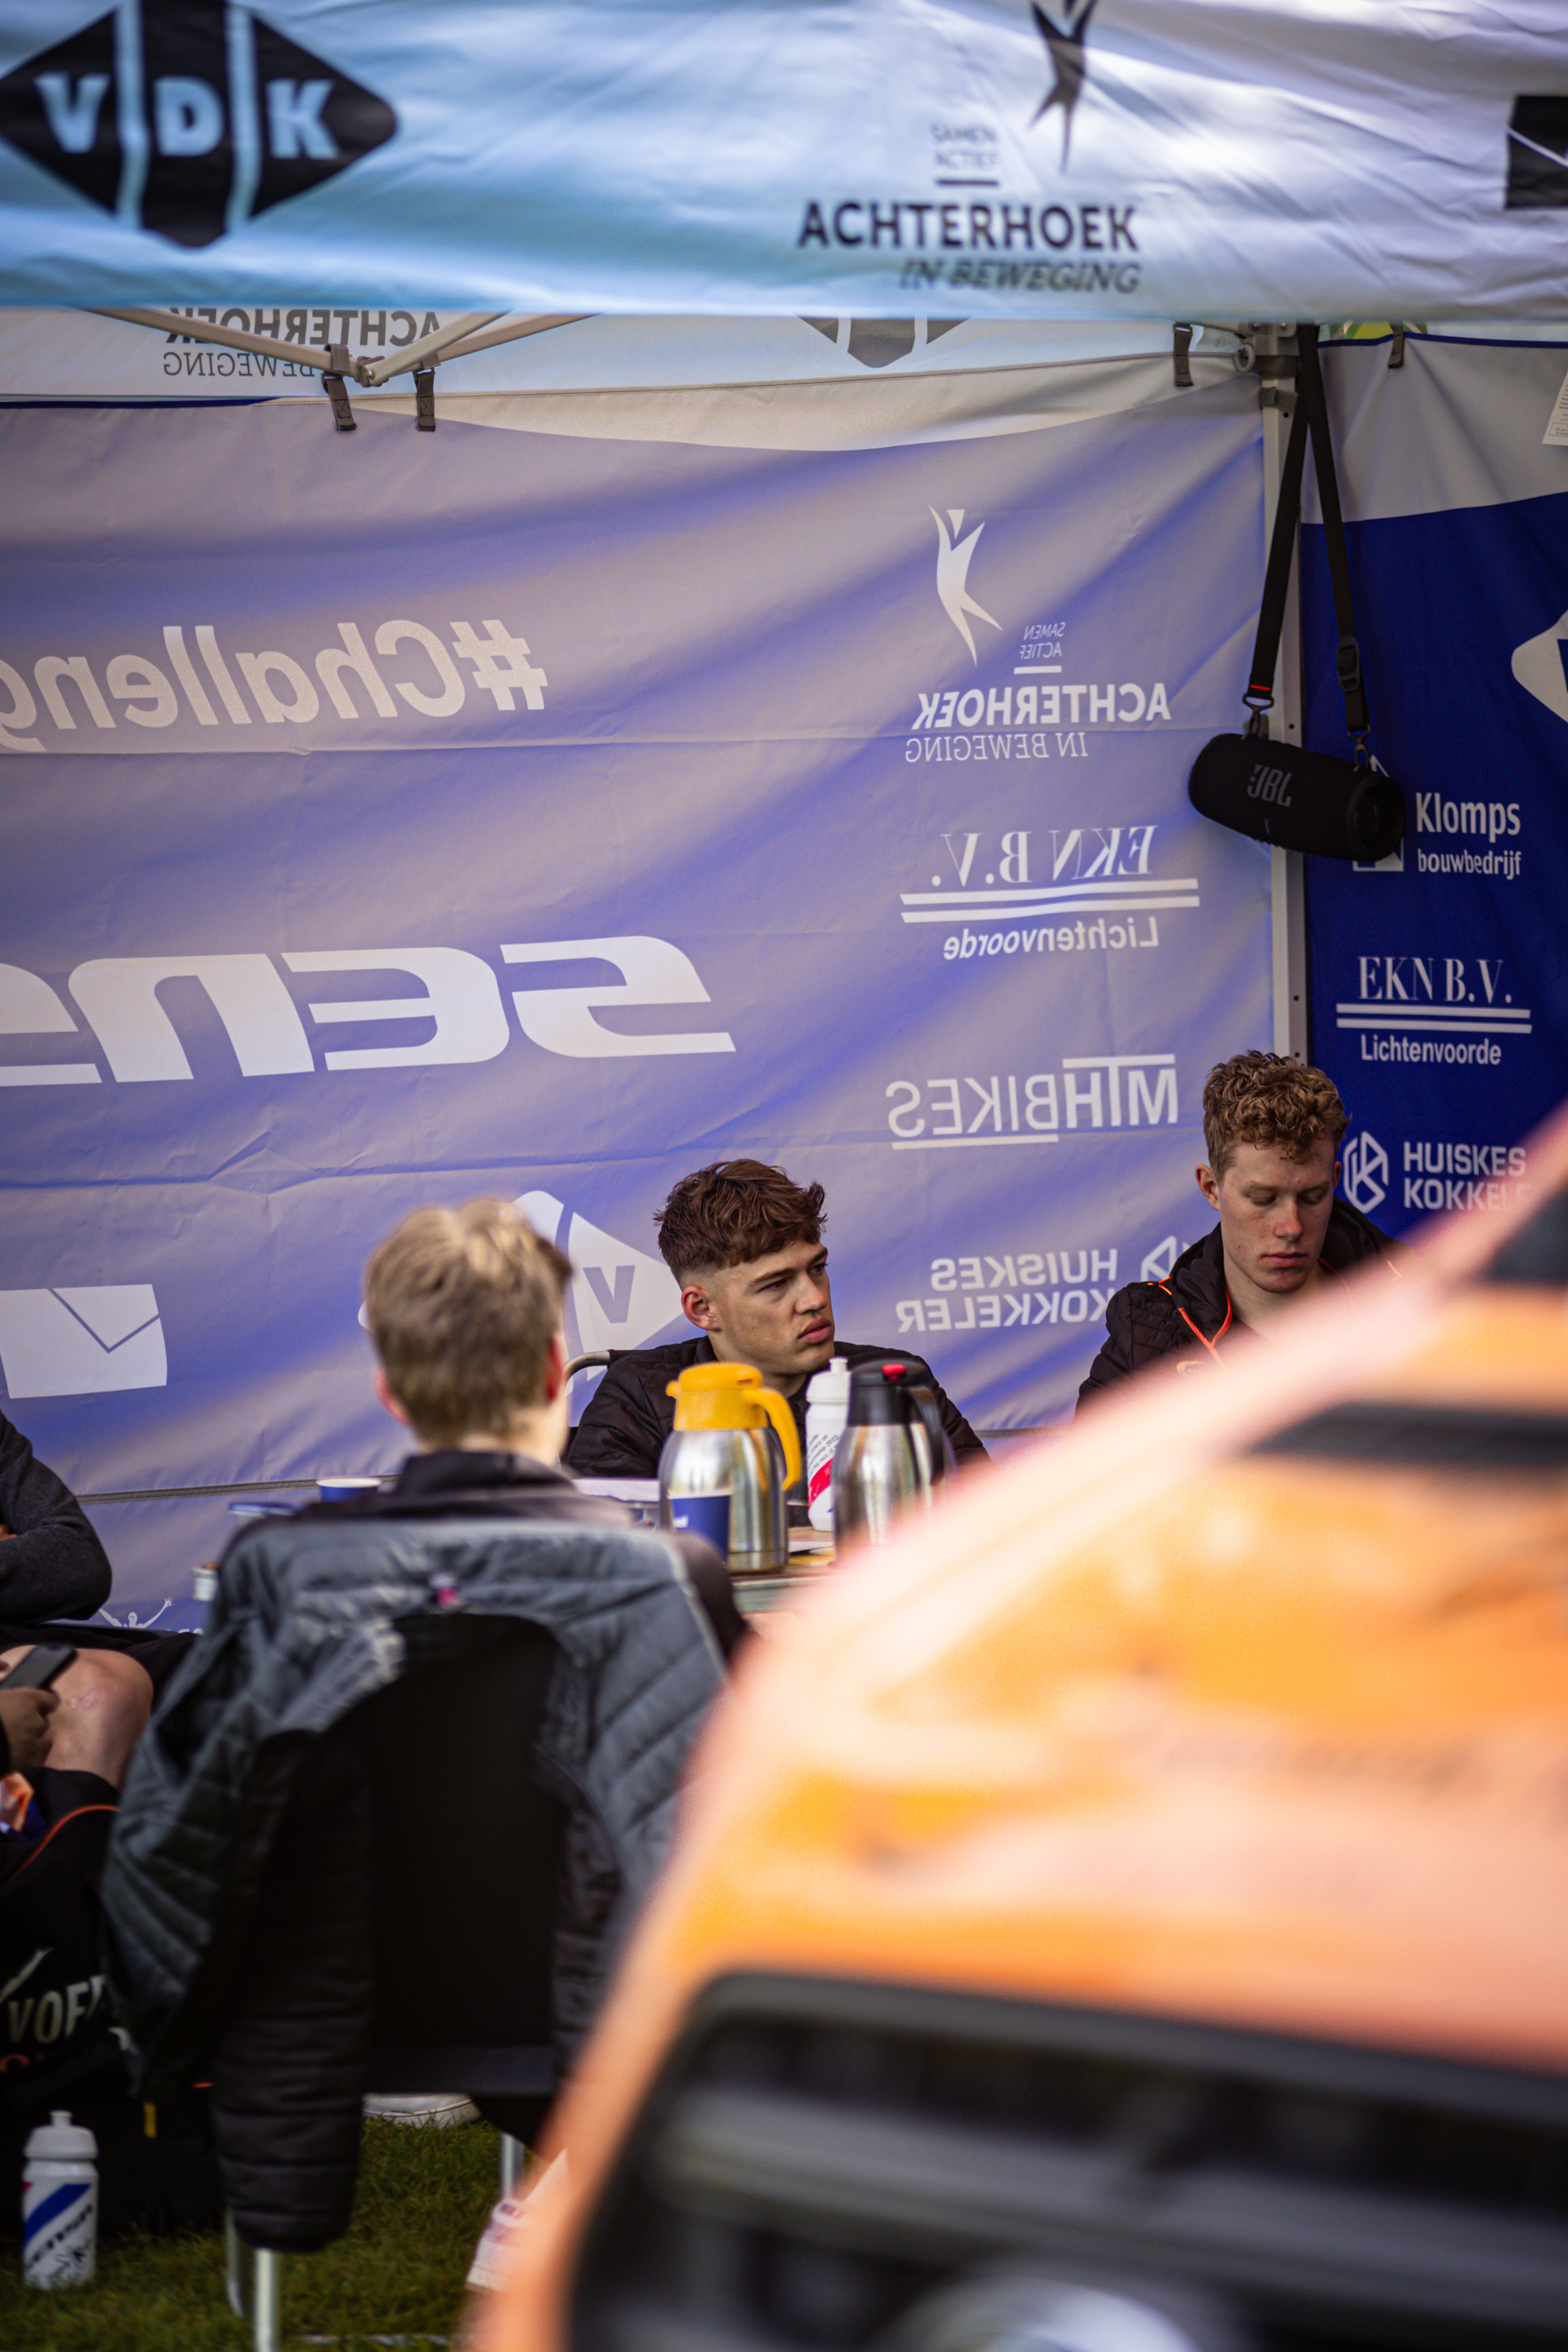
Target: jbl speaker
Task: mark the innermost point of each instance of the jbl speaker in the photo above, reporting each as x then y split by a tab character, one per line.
1297	799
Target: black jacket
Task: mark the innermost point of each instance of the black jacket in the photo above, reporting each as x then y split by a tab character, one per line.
457	1484
623	1429
256	1972
51	1562
1146	1320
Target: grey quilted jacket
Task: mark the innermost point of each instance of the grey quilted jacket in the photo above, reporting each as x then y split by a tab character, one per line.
302	1631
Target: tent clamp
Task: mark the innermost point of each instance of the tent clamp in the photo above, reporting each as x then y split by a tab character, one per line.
338	365
425	400
1275	348
1216	340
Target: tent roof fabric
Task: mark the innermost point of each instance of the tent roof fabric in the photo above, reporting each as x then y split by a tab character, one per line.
856	157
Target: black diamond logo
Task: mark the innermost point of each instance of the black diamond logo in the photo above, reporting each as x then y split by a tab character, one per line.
878	343
188	116
1538	155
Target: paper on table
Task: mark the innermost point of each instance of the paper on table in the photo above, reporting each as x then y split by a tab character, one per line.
640	1495
1556	433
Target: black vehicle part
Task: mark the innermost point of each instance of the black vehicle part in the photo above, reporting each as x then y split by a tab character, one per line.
818	2156
1538	1251
1465	1438
1014	2309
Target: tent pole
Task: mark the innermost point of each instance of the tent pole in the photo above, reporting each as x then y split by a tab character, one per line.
513	333
232	339
1287	890
428	349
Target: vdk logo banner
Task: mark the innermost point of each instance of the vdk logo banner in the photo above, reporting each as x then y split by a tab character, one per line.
562	824
188	117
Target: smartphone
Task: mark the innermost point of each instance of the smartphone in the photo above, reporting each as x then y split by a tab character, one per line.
41	1667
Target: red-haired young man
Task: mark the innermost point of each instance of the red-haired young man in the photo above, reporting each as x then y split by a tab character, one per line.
1272	1128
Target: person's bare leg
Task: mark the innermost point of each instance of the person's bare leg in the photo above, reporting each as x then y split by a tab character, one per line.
105	1701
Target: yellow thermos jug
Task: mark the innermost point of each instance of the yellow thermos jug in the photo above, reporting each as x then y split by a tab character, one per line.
724	1471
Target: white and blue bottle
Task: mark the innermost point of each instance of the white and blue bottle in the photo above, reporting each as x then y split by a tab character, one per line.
59	2204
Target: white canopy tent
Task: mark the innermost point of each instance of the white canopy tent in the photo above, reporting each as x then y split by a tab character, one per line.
1274	159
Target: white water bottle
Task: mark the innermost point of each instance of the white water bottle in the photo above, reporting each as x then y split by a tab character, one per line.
59	2204
826	1409
204	1593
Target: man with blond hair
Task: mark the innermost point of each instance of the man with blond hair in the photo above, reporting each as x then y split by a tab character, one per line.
465	1308
1272	1128
222	1964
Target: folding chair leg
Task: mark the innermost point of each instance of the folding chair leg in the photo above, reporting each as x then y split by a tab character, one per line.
234	2267
264	2305
514	2155
268	2328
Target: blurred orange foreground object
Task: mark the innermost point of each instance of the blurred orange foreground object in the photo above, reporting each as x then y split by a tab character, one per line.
1244	1707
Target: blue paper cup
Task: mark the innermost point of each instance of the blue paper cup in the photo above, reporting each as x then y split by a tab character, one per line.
703	1514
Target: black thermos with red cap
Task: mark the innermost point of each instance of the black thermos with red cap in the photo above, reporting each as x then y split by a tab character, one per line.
893	1451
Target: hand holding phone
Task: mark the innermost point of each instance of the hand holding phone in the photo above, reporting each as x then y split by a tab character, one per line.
24	1720
26	1702
42	1665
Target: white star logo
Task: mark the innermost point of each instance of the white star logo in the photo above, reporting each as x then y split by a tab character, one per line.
952	576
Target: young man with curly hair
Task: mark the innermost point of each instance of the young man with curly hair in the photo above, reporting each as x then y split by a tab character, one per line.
1272	1128
745	1245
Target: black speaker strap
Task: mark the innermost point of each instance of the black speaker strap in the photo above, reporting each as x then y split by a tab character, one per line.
1311	413
1358	718
1259	694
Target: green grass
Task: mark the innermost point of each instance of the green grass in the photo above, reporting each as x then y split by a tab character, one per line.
422	2200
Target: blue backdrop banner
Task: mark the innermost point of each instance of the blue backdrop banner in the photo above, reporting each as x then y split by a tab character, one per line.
406	819
1438	990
